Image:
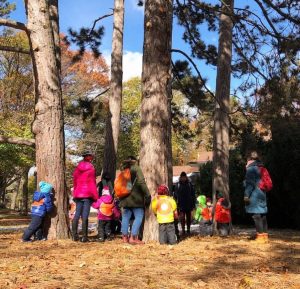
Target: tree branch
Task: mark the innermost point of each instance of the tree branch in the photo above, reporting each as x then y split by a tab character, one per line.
100	18
14	49
281	13
13	24
196	68
17	141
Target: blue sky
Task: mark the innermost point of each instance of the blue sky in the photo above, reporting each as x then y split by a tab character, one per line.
77	13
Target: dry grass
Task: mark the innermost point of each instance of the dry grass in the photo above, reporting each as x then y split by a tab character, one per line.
196	262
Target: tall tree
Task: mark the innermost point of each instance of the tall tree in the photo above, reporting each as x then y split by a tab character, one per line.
155	154
115	99
222	103
48	123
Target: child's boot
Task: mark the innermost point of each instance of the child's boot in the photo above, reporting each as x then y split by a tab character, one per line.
134	240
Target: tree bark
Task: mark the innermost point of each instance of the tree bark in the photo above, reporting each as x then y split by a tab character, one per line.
222	104
155	154
15	194
48	123
24	186
115	99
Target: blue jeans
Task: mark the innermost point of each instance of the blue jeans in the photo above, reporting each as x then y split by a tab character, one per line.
83	207
138	219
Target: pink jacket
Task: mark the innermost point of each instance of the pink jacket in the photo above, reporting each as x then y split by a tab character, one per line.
107	209
84	181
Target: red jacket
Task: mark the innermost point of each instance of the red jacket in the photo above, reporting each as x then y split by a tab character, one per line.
84	181
222	213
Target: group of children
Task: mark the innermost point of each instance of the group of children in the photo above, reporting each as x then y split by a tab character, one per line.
163	206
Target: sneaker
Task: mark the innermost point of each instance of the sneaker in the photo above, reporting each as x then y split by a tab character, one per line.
109	238
26	241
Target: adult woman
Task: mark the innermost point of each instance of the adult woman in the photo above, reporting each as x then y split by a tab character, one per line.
84	193
255	199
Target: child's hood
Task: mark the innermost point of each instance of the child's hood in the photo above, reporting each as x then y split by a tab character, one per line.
202	200
107	199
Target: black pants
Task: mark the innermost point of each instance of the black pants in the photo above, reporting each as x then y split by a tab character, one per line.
185	218
260	221
104	229
223	229
167	234
35	227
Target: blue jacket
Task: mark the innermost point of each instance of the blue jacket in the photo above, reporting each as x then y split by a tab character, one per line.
258	199
42	204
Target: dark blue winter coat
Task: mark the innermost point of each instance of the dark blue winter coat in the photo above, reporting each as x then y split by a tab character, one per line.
42	204
258	199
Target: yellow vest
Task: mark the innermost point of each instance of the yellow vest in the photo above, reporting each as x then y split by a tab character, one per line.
164	207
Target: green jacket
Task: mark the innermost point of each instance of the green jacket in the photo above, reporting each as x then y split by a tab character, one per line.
140	195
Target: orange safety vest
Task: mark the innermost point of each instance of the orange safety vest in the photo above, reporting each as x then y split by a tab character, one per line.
106	209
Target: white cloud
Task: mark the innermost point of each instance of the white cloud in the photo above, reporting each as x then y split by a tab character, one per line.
132	63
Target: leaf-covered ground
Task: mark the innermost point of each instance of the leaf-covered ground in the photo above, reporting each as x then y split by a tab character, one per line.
209	262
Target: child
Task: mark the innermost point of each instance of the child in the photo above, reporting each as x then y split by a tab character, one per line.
42	204
223	215
205	223
164	207
201	204
107	211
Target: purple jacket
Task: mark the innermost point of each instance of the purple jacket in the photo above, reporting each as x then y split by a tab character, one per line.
107	209
84	181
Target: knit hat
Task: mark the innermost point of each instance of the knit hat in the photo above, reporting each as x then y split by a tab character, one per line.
105	191
219	195
45	188
163	190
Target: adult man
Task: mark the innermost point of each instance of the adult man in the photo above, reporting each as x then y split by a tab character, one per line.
186	201
135	203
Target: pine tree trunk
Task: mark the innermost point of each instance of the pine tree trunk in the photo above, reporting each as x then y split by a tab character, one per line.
15	195
24	186
115	99
155	155
48	123
222	105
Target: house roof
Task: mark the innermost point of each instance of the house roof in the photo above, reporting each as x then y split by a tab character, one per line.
188	169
